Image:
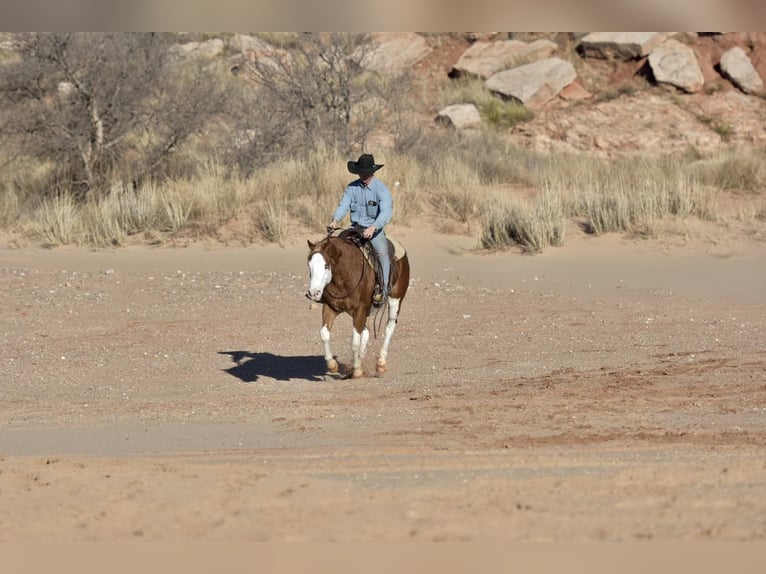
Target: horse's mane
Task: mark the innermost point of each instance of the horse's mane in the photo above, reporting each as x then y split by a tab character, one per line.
331	246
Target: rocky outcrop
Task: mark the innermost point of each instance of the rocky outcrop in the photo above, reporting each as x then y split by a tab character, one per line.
533	84
484	58
649	123
620	45
675	63
737	67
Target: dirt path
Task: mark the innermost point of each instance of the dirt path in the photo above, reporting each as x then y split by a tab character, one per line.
608	391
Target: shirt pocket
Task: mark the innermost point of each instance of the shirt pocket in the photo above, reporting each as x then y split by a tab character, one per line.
372	208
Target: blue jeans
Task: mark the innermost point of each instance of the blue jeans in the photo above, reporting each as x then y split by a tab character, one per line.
380	246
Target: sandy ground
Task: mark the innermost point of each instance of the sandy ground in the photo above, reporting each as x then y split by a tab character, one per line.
605	390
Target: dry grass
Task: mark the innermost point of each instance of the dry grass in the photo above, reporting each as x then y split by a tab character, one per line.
533	224
628	195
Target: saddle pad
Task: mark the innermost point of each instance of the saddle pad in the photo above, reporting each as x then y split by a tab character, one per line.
398	248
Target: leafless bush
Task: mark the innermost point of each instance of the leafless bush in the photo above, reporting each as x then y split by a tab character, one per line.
103	106
315	91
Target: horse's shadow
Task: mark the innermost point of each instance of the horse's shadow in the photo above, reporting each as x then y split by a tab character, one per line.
248	367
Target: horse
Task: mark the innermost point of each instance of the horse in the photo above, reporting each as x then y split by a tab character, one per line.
343	280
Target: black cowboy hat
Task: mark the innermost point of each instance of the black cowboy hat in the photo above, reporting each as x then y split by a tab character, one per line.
365	165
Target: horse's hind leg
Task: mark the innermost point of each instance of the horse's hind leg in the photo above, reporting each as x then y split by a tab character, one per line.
393	313
328	318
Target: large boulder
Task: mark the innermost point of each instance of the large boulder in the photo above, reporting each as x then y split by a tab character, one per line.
675	63
533	84
484	59
737	67
621	45
459	116
394	52
207	50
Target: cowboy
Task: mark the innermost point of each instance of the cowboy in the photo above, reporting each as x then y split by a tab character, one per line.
371	207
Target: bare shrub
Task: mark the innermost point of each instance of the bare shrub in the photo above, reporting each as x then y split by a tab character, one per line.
103	106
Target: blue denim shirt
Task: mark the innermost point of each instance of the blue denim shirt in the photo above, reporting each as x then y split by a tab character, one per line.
368	205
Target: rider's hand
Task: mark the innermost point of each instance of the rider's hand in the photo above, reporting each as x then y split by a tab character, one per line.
369	232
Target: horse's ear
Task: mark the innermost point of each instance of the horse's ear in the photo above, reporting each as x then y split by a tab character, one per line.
311	245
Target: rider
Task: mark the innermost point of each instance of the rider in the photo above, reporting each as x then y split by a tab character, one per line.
369	201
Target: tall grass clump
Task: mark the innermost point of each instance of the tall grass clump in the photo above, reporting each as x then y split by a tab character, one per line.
306	189
532	224
123	212
408	182
627	194
57	220
218	194
10	206
271	219
177	200
454	189
504	113
738	169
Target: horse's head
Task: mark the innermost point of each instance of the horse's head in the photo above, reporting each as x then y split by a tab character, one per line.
321	258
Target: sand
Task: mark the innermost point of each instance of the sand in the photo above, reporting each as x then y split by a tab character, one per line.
610	389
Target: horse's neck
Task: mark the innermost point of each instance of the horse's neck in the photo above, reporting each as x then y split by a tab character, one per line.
349	256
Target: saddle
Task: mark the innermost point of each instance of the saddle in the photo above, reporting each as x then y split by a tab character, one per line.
354	235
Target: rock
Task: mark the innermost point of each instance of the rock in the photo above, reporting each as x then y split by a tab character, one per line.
484	59
575	92
394	53
533	84
459	116
675	63
245	43
207	50
621	45
737	67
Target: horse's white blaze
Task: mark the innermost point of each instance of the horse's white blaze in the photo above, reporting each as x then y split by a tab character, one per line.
393	312
319	276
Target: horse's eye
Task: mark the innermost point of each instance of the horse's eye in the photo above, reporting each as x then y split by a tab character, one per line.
326	265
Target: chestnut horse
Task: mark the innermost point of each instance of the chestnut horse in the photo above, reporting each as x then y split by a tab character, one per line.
343	280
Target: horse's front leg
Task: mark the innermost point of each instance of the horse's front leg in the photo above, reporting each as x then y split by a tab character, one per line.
328	318
393	314
359	338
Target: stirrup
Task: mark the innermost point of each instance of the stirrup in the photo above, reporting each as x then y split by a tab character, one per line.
379	299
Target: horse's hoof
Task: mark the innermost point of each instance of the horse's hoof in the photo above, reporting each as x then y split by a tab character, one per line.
332	366
381	367
357	374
